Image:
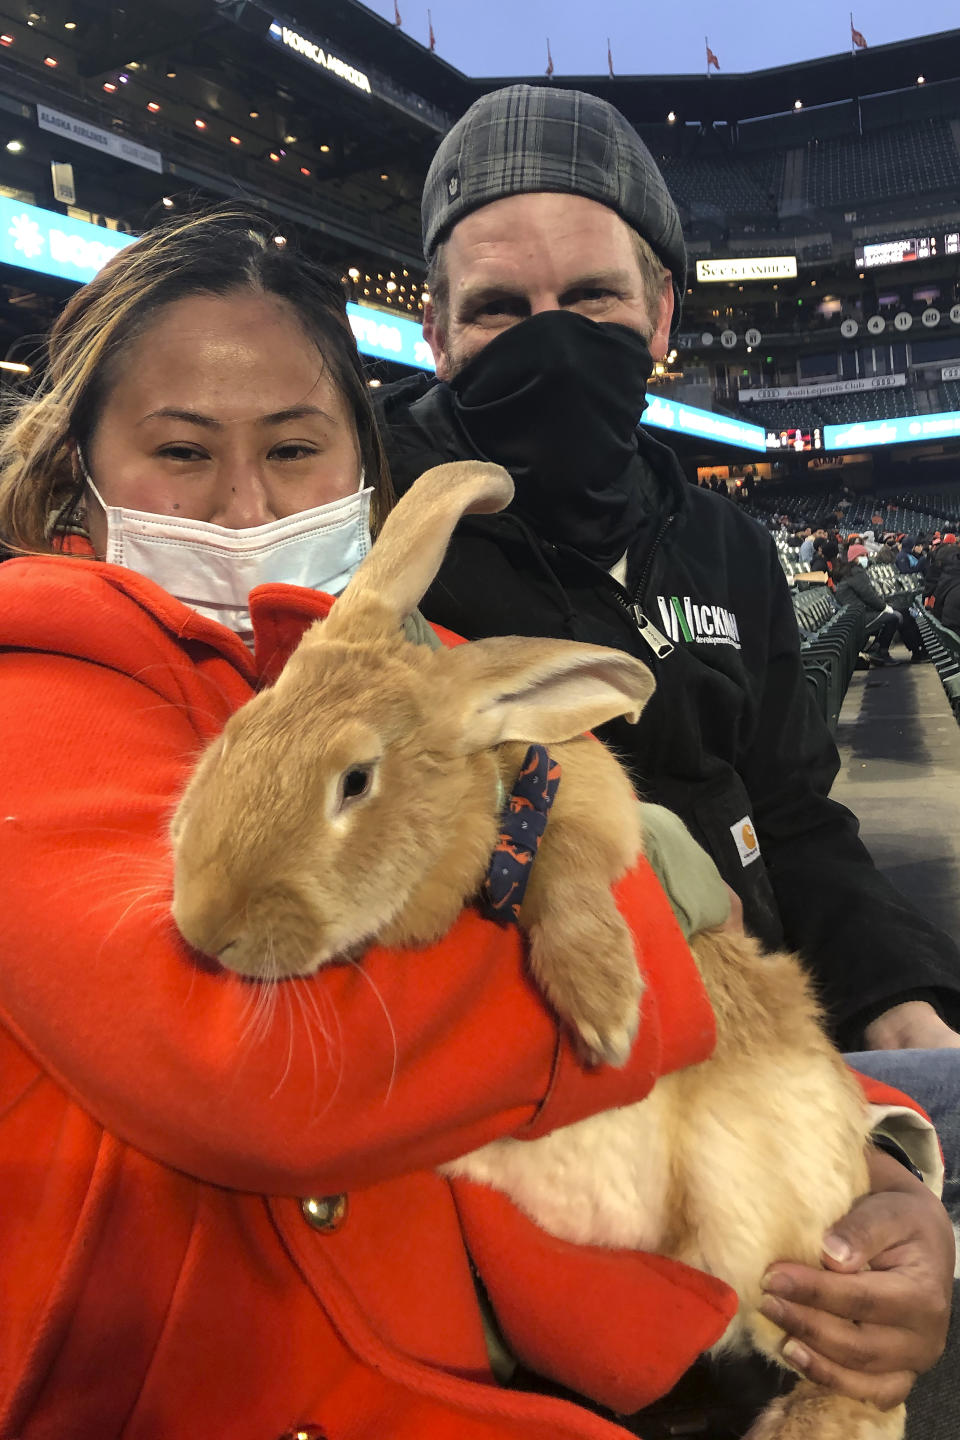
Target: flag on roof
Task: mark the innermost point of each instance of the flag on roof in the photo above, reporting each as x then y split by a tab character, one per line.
396	14
433	38
610	59
549	70
711	58
856	36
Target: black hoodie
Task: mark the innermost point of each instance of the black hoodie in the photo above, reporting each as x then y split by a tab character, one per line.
731	741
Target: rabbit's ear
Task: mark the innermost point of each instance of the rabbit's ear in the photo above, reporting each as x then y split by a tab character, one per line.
410	548
543	691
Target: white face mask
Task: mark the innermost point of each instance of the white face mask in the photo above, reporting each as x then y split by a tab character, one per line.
863	560
212	568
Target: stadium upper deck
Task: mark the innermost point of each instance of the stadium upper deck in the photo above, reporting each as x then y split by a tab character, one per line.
328	115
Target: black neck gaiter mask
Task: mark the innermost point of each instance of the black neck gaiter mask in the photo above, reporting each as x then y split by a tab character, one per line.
556	400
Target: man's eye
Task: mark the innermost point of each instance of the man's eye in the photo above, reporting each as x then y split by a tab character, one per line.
500	305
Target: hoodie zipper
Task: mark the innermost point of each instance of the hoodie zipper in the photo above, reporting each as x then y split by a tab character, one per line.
651	636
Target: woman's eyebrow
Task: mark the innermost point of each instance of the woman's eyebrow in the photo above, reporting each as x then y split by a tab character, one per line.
278	417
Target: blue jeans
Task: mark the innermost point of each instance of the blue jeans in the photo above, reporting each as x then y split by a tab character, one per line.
932	1078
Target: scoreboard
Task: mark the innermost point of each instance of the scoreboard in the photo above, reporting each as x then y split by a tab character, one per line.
898	252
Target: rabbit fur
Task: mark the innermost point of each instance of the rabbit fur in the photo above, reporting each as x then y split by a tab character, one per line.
357	800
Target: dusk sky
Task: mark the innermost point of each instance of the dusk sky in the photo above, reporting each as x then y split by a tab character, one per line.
509	37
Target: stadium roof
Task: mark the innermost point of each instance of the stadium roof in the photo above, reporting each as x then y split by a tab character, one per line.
728	96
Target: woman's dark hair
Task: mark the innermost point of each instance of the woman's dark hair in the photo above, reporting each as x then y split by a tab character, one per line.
214	251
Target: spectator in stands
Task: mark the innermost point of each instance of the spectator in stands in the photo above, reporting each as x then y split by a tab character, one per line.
946	600
887	553
554	277
809	545
884	622
938	561
912	559
825	553
157	1117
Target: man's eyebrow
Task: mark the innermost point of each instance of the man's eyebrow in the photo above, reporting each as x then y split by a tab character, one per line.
599	279
512	289
278	417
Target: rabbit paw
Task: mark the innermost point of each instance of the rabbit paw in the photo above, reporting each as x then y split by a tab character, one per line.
587	969
810	1413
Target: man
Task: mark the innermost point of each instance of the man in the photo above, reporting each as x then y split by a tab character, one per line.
557	268
912	559
528	248
809	545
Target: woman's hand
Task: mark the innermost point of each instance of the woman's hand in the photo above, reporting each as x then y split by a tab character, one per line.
876	1316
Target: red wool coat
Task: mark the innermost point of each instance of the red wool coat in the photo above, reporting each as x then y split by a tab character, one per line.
161	1270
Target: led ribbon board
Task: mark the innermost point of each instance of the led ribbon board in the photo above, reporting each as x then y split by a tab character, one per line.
54	244
689	420
389	337
903	430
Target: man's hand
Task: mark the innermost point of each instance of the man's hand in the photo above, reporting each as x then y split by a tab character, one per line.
915	1025
876	1317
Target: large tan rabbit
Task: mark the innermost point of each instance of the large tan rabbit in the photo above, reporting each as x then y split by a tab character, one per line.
358	800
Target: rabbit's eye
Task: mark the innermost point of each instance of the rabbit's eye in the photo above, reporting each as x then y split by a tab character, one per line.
355	783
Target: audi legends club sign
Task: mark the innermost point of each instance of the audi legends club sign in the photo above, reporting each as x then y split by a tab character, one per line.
750	267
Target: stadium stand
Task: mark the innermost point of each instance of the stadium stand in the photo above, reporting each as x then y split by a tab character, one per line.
730	185
891	163
943	647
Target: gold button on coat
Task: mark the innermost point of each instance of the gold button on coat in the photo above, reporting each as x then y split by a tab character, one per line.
324	1212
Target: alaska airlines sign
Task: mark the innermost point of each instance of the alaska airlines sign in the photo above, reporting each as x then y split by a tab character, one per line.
316	55
751	267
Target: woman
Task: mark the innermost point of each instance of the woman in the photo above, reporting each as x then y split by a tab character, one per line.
220	1216
219	1212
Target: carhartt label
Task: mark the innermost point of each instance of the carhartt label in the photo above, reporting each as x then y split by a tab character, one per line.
686	619
748	846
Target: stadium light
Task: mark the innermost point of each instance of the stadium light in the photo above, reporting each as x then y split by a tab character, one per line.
6	39
50	61
304	170
289	139
69	24
167	202
374	383
798	104
15	146
274	157
171	74
671	118
153	106
200	124
254	114
324	149
921	80
109	86
384	176
235	140
354	273
16	366
279	241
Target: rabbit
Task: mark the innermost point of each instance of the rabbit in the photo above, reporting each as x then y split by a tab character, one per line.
358	799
